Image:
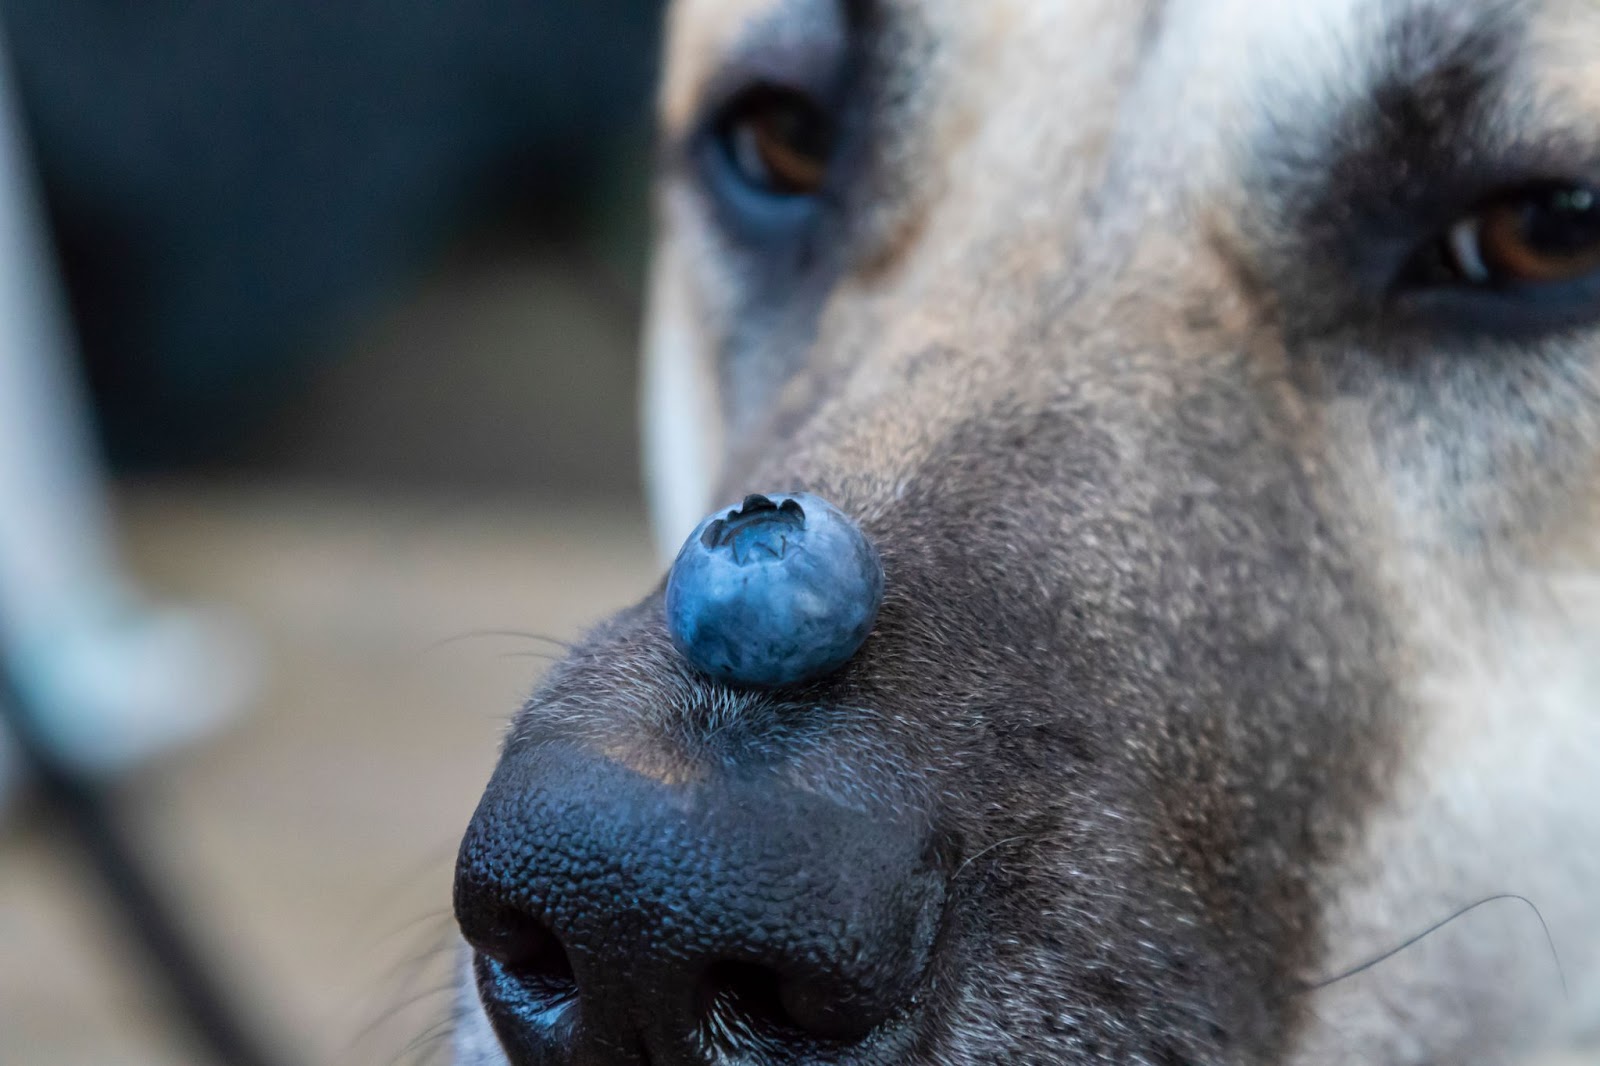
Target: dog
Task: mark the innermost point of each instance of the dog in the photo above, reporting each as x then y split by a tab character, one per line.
1218	382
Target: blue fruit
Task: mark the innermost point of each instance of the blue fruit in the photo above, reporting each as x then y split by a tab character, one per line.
779	590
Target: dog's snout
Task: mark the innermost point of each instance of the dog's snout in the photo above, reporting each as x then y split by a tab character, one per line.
622	918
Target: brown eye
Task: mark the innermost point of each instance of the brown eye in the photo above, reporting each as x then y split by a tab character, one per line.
1539	235
778	141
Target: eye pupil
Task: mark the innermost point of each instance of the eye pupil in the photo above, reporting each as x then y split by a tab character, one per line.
1538	235
778	141
1566	223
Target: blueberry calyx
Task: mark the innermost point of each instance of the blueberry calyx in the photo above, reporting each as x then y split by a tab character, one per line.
759	525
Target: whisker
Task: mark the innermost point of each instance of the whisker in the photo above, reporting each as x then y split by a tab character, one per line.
980	854
1555	956
399	1006
484	634
416	977
405	882
546	656
437	916
429	1039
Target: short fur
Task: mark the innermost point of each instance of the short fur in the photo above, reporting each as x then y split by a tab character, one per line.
1240	624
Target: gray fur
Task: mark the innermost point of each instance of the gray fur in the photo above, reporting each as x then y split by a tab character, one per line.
1228	602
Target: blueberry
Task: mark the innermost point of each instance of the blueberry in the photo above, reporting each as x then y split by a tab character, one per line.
777	591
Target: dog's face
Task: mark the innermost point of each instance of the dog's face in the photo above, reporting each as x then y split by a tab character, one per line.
1220	383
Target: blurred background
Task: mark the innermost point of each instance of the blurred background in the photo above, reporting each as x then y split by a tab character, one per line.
354	290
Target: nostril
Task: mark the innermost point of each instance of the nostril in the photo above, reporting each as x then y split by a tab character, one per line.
734	918
536	955
525	981
743	1004
818	1009
531	954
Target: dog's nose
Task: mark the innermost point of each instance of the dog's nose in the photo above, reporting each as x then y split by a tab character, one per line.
620	918
780	590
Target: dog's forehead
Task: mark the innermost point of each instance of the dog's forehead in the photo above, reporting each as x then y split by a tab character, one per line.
702	34
1224	56
1031	147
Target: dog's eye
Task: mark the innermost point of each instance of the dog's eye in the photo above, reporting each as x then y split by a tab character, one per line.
1535	236
777	141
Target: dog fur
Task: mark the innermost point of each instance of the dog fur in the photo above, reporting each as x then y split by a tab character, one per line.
1240	625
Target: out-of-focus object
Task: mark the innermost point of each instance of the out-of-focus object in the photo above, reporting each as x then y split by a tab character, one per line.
237	187
148	918
92	678
116	679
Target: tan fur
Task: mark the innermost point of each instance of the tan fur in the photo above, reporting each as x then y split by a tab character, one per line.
1560	72
1072	204
699	34
1507	691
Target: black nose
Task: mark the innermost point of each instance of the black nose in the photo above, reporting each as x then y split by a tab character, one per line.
619	918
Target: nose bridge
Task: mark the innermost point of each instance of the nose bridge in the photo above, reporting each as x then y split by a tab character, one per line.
964	402
1113	309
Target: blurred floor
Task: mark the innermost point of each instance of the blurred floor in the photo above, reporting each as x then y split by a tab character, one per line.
313	842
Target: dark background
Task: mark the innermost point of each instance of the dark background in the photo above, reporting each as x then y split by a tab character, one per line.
271	216
357	286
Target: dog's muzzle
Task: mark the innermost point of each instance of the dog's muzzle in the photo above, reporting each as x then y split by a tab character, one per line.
624	915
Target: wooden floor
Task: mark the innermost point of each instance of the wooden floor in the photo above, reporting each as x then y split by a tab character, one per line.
312	843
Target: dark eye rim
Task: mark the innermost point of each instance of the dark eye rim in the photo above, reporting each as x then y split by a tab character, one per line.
1514	313
744	207
757	102
1423	291
1520	195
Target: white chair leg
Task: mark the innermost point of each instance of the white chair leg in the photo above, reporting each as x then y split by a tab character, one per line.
116	679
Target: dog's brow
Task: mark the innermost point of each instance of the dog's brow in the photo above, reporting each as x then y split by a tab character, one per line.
1408	113
1446	56
708	35
1328	56
1437	73
792	36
